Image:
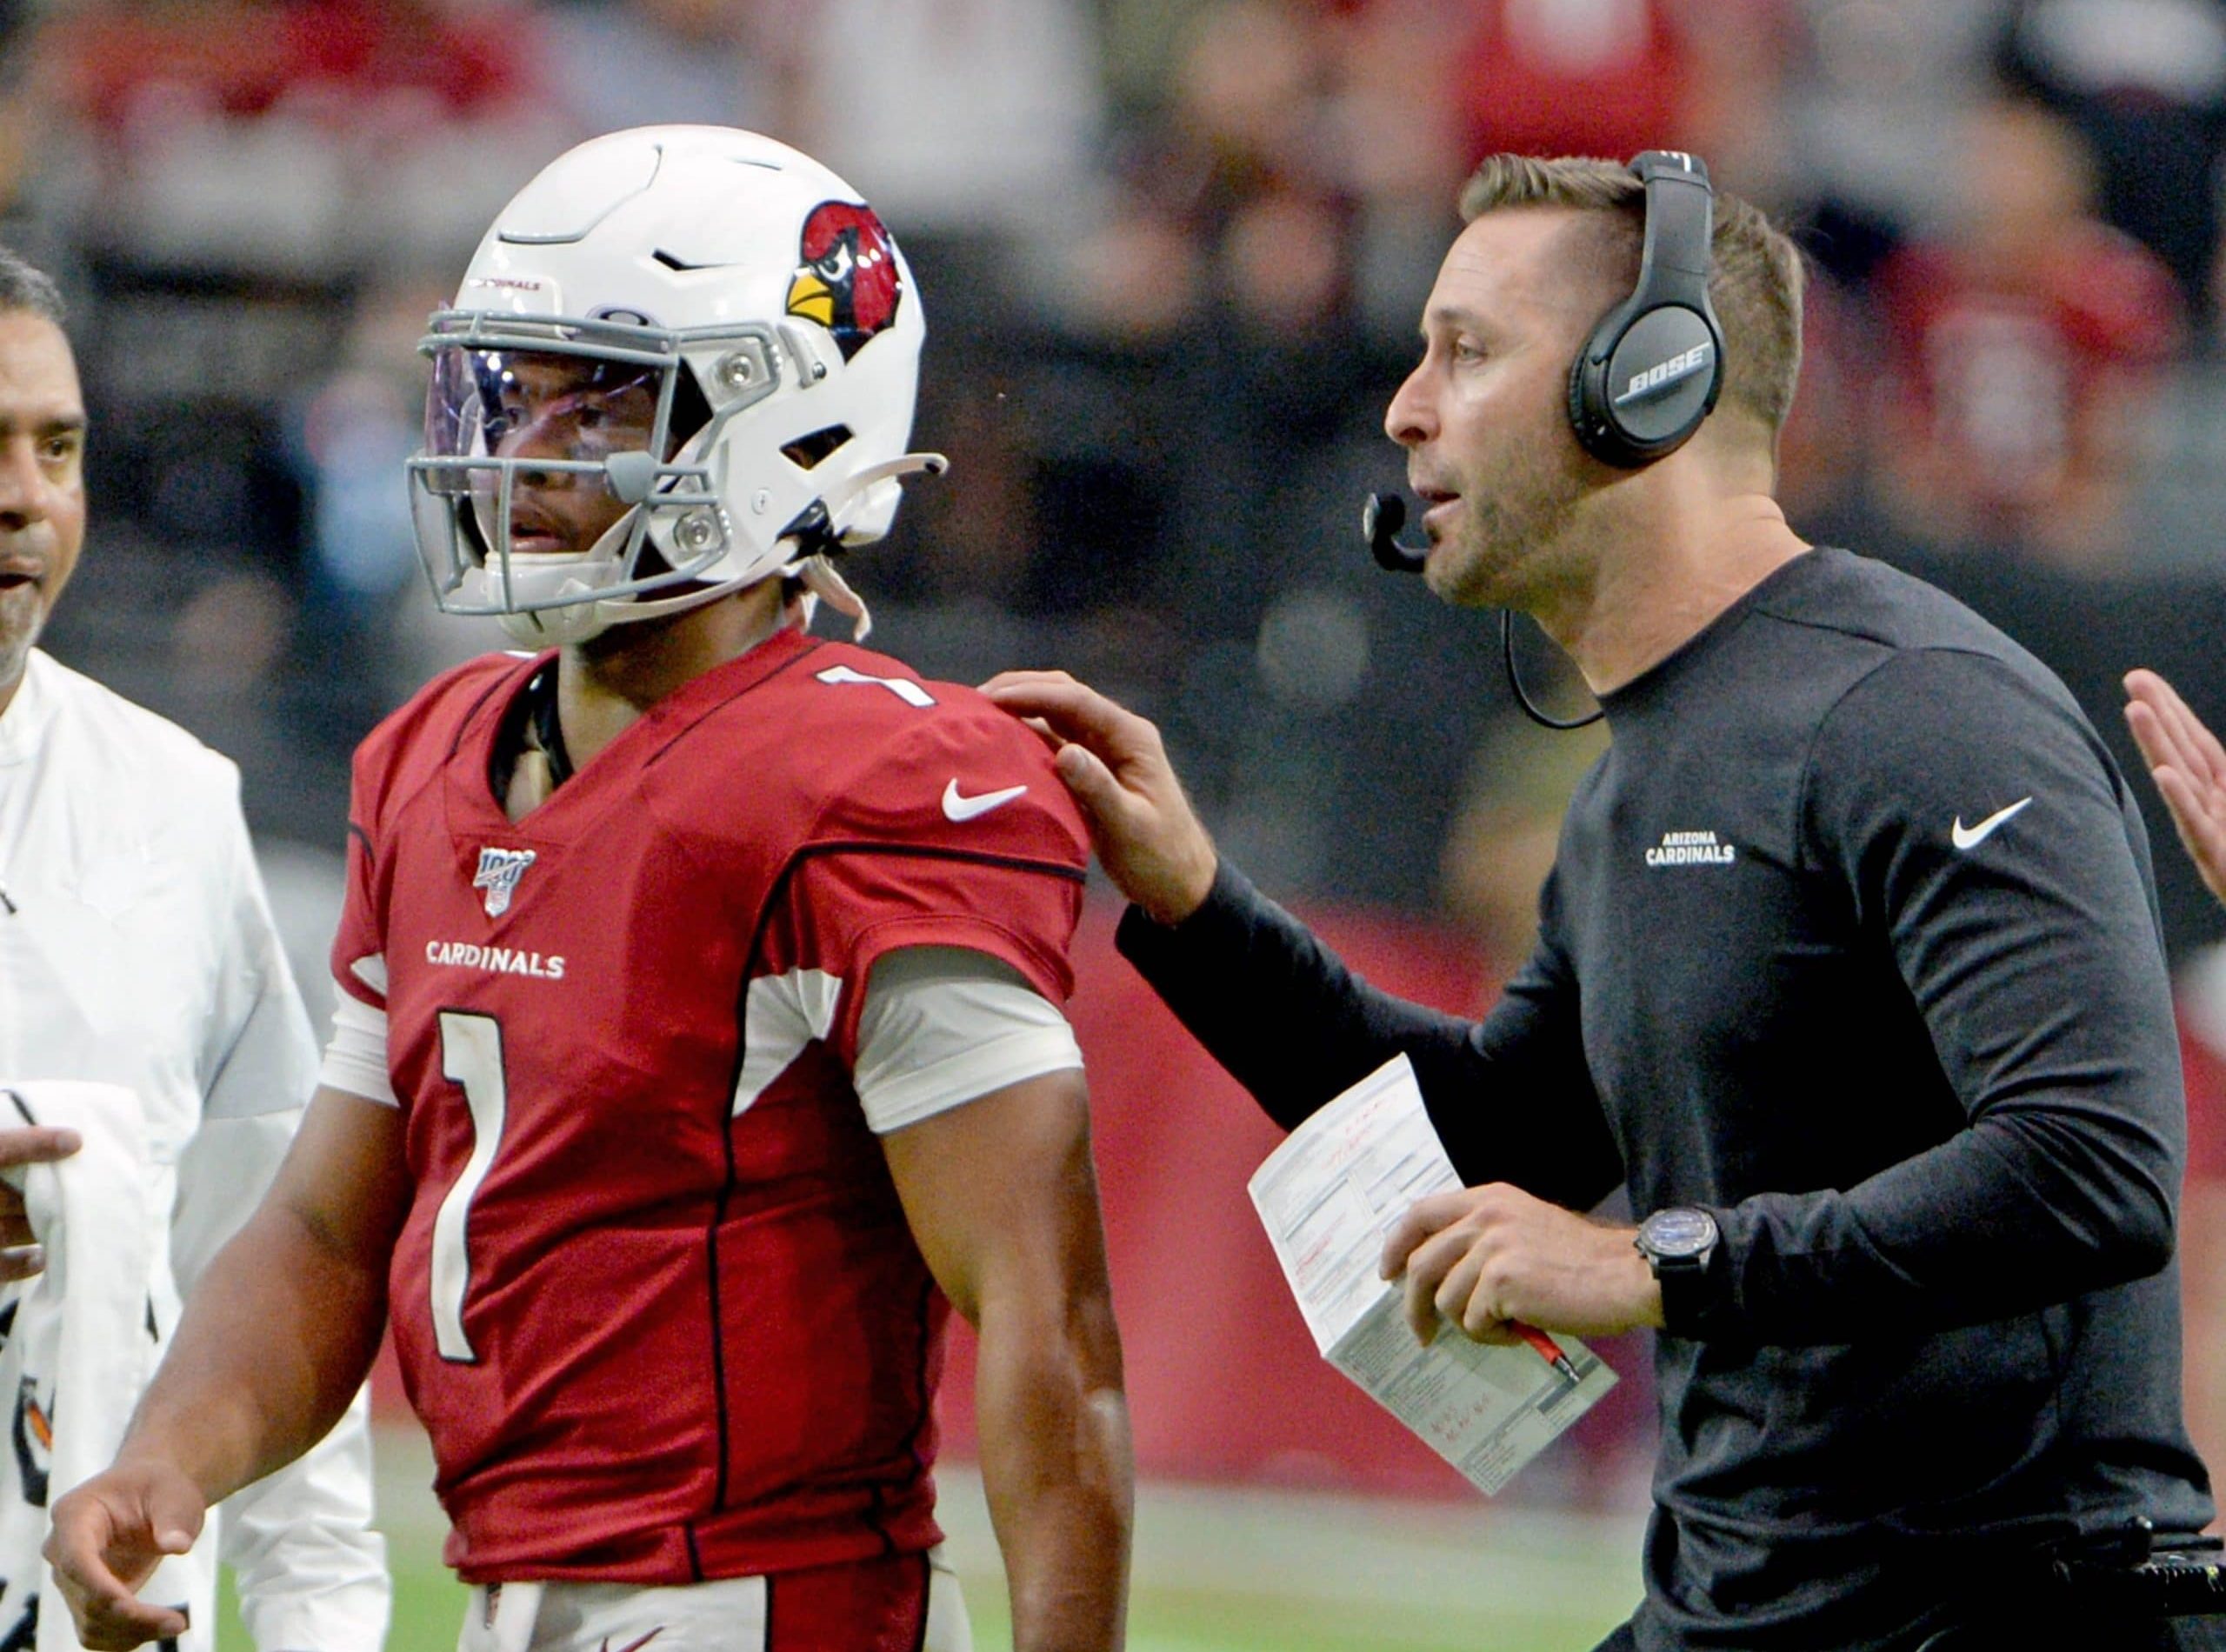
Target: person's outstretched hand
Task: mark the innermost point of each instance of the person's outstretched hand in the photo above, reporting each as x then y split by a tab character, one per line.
2188	767
1148	837
108	1537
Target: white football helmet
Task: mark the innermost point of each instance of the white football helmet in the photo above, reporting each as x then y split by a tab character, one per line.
682	360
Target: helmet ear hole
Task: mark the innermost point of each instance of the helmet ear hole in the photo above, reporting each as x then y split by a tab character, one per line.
807	452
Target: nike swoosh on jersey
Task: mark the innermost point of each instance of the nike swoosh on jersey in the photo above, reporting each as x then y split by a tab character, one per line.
634	1646
1971	836
958	806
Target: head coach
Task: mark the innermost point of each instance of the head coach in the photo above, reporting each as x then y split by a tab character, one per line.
1850	973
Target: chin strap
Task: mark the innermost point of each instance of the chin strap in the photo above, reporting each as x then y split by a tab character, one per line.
819	536
819	579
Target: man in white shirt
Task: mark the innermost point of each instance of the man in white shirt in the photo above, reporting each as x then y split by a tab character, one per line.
139	971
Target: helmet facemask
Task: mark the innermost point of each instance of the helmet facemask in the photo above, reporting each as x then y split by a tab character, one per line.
560	469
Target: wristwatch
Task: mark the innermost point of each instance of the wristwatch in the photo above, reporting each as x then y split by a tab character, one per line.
1677	1242
1679	1239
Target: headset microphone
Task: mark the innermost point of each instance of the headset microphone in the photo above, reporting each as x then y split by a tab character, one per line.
1381	518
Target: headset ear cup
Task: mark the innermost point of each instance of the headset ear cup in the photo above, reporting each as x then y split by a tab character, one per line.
1643	384
1650	371
1660	379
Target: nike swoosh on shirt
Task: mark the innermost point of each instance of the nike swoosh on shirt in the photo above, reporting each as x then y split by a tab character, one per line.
634	1646
958	806
1971	836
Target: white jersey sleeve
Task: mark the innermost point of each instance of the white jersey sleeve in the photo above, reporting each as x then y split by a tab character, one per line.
943	1026
355	1059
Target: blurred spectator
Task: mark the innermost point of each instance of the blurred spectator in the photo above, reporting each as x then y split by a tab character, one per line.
367	636
17	121
1142	41
972	118
303	139
2023	338
1877	97
1208	353
1822	474
2145	81
246	57
1610	77
1284	264
1136	276
1242	121
1396	150
349	437
1246	101
685	62
1604	77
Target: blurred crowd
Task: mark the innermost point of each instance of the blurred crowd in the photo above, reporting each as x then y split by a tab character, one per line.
1172	254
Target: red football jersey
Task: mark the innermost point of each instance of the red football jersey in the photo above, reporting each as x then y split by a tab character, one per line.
655	1299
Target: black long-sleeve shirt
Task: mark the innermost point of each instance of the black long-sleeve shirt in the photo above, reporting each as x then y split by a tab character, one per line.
1851	940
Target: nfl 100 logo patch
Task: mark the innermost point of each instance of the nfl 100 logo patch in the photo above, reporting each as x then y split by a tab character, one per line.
499	872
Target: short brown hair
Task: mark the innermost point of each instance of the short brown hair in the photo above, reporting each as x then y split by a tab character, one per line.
1755	287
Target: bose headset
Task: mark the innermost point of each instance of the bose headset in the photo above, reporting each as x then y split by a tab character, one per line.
1647	376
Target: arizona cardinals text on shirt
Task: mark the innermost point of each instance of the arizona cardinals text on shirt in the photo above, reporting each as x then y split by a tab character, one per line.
1691	849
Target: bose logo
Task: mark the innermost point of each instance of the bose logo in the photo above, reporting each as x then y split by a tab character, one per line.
1681	366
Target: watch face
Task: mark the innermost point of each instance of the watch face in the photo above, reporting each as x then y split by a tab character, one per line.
1678	1232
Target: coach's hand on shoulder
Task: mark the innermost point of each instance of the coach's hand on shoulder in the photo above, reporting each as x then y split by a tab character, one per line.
20	1253
1148	837
1483	1257
107	1538
2188	767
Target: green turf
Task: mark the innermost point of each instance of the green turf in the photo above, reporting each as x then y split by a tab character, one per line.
429	1605
1216	1571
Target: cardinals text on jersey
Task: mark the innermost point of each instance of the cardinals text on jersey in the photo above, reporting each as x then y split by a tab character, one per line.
655	1298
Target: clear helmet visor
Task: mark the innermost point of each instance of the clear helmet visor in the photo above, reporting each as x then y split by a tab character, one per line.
552	420
535	465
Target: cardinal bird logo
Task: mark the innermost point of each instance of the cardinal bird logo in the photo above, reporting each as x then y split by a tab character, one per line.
848	280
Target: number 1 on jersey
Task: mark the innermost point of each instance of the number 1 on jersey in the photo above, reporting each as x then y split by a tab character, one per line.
904	687
471	1057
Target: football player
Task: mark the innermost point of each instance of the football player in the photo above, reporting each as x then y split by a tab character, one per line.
699	1044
